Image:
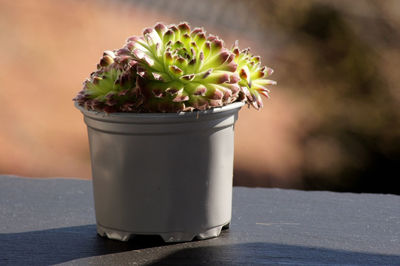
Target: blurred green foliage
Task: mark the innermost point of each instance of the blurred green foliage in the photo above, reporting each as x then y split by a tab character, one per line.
363	112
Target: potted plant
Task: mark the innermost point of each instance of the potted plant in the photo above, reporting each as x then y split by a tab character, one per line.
160	113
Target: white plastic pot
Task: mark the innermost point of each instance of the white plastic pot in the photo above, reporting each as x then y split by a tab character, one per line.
167	174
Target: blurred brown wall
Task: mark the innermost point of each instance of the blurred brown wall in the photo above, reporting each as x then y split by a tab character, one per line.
332	122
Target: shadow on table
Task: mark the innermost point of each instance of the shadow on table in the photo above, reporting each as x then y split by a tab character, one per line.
60	245
272	254
64	244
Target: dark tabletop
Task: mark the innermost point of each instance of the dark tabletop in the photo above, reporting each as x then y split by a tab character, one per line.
51	221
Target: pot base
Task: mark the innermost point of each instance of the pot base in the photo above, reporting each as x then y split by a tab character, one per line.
167	237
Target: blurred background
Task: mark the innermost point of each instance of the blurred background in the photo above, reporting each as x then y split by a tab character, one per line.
332	122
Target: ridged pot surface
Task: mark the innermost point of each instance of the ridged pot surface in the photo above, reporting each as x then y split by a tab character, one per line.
162	174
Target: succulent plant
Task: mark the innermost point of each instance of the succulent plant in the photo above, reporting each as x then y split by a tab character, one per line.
112	88
180	69
253	76
172	69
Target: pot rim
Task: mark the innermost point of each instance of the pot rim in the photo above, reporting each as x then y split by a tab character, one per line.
215	110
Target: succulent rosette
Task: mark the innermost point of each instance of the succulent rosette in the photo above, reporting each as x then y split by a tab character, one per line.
180	69
253	76
112	88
